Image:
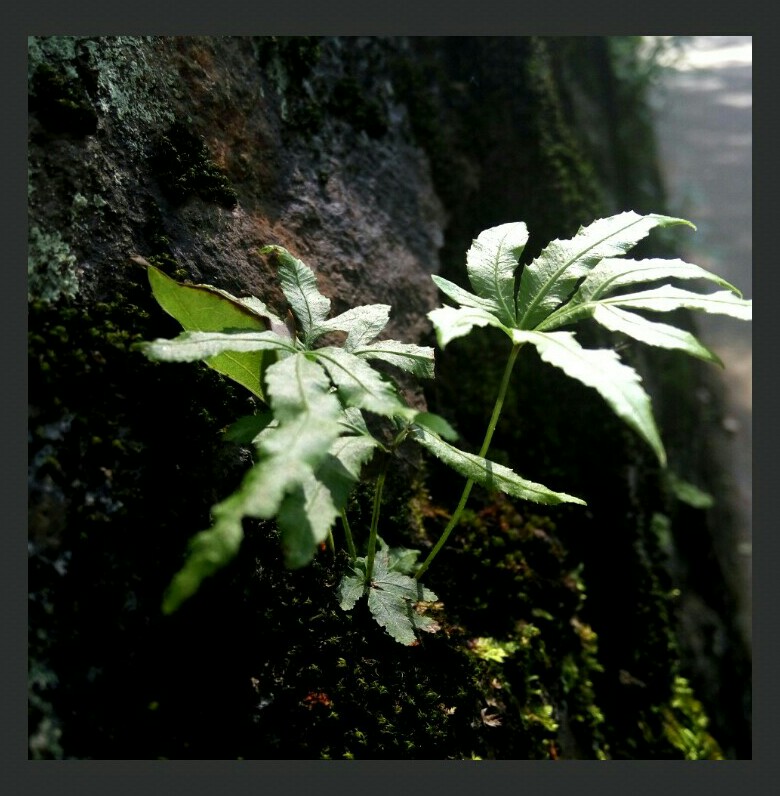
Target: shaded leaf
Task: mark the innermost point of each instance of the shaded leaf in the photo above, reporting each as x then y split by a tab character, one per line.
245	429
352	587
392	594
309	511
415	359
619	384
391	599
208	551
403	560
305	516
688	493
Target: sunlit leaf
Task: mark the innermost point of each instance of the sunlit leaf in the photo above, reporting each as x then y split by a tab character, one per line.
415	359
551	277
206	309
192	346
668	298
451	322
362	324
299	286
359	385
661	335
491	263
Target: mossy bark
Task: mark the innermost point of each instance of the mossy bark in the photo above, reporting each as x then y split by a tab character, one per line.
376	161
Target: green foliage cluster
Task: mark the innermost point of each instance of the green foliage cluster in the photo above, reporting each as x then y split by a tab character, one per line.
313	442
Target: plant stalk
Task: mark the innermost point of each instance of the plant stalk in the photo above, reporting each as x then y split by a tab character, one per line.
498	406
348	536
380	485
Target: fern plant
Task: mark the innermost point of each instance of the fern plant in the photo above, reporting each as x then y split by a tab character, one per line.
583	277
313	441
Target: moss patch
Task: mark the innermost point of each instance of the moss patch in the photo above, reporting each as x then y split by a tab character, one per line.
183	168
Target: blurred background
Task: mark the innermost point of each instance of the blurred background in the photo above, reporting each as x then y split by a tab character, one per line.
703	108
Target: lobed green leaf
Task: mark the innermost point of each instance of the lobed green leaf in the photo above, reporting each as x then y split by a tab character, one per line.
619	384
304	518
211	550
414	359
491	263
668	298
392	594
352	588
192	346
437	424
362	324
688	493
246	429
613	273
391	600
299	286
202	308
661	335
461	296
309	511
450	322
488	474
359	385
552	276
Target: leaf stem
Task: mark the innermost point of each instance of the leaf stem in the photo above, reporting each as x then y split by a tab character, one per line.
348	536
498	406
380	485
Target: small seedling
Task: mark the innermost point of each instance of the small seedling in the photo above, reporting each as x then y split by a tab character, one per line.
313	441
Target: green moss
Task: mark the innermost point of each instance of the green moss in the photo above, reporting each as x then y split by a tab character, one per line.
566	178
129	86
183	168
685	724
